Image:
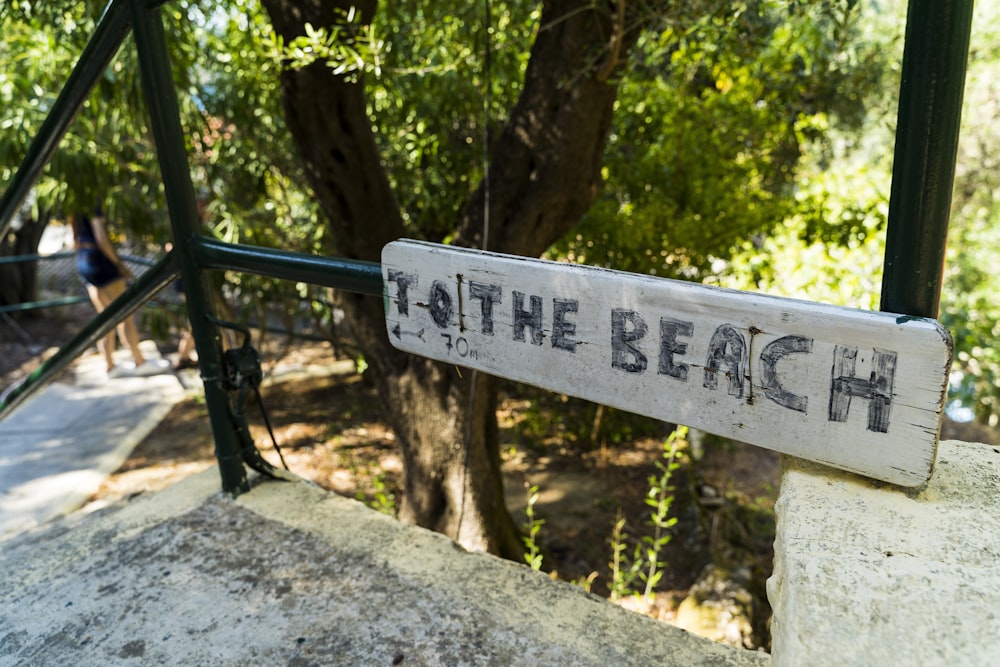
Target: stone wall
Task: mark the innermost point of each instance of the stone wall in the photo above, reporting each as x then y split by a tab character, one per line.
869	574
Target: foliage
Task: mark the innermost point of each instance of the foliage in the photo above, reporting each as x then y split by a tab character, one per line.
532	525
225	70
972	315
381	498
747	83
793	261
242	155
644	563
969	300
347	47
830	244
834	253
106	157
713	119
429	104
624	571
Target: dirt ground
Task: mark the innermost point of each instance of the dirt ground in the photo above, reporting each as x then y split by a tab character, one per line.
329	430
591	466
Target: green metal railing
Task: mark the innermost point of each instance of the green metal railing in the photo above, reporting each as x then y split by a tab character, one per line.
63	275
935	55
38	260
193	254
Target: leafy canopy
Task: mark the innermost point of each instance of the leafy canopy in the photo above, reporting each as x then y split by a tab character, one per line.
715	116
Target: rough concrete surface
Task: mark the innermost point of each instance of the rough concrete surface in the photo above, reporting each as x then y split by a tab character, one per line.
867	574
291	575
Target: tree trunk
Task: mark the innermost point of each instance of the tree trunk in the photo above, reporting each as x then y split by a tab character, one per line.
19	281
546	172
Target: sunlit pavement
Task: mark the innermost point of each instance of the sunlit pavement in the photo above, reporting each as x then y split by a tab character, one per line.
57	448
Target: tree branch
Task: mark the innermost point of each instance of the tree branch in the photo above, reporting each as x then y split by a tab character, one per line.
545	168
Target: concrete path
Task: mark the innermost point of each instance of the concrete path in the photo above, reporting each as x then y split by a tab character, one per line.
56	449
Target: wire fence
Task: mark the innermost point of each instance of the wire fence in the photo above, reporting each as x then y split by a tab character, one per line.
57	279
58	284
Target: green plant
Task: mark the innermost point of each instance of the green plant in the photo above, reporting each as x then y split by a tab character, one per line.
533	555
645	564
624	570
586	583
382	499
660	497
199	400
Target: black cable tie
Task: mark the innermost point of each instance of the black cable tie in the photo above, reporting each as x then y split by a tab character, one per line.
267	422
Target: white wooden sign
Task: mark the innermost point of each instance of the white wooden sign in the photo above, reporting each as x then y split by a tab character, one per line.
858	390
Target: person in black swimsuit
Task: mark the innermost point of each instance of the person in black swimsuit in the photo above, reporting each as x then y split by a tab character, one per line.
105	274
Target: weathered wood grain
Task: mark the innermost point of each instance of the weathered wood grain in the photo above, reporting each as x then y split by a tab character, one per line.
858	390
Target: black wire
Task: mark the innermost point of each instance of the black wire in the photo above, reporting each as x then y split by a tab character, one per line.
267	422
487	137
487	132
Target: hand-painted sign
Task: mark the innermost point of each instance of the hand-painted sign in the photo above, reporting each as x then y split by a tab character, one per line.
858	390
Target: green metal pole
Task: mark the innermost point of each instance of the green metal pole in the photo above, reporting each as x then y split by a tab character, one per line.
165	120
354	275
930	111
102	47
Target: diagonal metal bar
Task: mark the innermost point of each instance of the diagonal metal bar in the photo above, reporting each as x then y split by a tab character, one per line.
142	290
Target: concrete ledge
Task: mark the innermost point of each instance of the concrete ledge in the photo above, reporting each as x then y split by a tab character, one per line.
867	574
289	574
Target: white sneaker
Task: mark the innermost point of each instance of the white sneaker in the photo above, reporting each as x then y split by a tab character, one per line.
152	367
121	371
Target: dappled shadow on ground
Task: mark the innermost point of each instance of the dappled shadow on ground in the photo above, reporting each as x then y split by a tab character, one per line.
591	467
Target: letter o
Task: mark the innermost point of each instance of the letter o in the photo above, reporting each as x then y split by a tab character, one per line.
441	305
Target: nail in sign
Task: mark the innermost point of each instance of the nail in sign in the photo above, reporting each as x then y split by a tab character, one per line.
858	390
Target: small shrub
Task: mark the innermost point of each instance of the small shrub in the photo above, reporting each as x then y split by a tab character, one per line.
644	563
532	555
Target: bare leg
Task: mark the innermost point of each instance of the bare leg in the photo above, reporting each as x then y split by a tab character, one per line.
185	347
106	345
127	332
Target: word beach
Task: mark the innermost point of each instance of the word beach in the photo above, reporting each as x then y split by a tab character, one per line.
857	390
